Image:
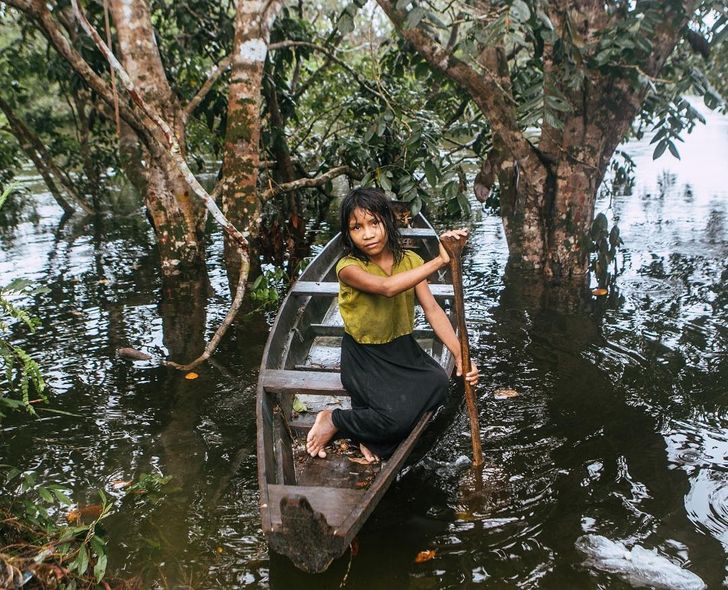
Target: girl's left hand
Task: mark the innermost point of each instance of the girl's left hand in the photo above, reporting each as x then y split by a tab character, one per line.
472	376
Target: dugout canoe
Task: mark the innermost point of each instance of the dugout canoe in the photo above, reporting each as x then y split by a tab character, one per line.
311	509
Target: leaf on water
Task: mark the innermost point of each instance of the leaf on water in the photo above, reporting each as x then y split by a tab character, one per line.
424	556
191	375
120	484
219	550
465	516
505	393
84	513
103	282
132	353
299	406
599	292
77	313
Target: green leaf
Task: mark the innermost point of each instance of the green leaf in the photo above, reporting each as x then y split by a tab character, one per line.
520	11
673	149
45	494
345	24
414	17
80	564
299	406
431	173
100	567
659	150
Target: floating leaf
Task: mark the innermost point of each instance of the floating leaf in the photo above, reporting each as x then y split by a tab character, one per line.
599	292
219	550
85	513
191	375
120	484
131	353
505	393
424	556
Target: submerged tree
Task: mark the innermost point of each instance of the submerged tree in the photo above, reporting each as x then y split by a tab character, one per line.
560	85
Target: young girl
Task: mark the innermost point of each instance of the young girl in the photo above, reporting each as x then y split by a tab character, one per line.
391	380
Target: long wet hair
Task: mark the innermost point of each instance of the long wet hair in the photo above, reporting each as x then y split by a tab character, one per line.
375	202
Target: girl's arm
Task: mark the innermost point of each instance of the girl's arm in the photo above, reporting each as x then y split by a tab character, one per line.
357	277
443	329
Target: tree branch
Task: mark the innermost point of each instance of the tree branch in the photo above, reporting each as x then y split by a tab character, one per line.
227	321
214	75
362	82
38	11
487	92
309	182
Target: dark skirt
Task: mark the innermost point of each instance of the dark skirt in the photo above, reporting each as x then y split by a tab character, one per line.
391	385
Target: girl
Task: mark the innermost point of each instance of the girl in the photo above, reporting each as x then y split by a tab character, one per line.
391	380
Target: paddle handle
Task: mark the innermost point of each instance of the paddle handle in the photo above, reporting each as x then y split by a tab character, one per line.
454	248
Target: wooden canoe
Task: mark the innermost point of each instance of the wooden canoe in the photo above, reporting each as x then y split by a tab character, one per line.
312	508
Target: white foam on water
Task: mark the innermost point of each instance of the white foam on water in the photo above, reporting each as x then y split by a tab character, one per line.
637	566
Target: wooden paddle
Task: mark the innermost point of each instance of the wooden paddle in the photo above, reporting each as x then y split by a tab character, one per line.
454	247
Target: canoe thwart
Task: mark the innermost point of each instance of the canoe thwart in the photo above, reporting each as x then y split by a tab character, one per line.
302	382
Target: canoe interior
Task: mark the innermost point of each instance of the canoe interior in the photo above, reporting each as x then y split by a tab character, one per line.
323	502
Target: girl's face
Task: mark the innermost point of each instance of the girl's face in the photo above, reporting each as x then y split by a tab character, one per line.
367	232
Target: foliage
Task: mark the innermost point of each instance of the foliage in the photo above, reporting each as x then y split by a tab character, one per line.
48	98
603	244
35	545
265	291
20	370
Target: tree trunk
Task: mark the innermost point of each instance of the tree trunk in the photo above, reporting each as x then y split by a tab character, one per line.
178	218
240	202
548	192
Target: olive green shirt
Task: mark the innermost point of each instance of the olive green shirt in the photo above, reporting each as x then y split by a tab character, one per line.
376	319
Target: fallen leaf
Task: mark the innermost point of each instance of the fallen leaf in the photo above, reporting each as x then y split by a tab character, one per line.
219	550
77	313
360	460
103	281
354	546
599	292
361	484
132	353
120	484
424	556
85	513
191	375
299	406
505	393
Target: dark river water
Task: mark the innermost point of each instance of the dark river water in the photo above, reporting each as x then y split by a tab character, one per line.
619	427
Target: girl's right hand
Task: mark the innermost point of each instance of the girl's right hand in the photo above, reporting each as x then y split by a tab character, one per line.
452	233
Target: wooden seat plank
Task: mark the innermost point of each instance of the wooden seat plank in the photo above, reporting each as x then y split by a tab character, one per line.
417	232
302	382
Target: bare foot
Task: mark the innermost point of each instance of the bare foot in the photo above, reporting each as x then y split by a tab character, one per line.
322	431
368	455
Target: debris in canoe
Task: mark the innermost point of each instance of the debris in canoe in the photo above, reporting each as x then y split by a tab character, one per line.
133	354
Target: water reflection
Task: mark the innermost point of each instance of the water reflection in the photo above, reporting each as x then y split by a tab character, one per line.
619	427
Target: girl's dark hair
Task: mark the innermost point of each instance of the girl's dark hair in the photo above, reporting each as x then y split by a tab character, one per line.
374	201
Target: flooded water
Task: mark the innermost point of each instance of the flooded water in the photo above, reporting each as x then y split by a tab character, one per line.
619	428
